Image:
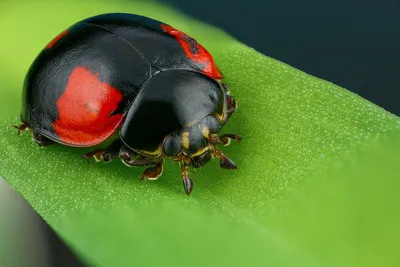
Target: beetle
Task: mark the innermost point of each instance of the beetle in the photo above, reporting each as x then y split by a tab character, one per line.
150	82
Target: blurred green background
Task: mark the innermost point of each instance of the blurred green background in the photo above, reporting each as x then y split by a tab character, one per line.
318	166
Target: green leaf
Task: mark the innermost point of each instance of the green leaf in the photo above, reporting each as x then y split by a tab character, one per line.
317	183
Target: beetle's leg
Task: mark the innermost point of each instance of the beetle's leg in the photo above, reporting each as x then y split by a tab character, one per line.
20	127
153	172
133	159
41	140
224	139
187	181
224	161
105	154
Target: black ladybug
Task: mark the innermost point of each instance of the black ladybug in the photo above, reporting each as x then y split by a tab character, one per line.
152	82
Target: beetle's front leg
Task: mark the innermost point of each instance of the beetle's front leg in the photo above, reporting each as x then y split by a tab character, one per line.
105	154
187	181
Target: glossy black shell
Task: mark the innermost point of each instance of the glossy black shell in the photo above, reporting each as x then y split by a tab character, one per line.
125	51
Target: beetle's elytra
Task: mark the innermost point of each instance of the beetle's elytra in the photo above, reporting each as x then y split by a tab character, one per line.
152	83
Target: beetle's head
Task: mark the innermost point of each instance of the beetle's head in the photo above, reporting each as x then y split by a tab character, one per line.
197	144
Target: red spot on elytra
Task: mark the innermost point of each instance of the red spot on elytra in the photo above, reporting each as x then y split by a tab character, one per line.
56	39
84	110
202	56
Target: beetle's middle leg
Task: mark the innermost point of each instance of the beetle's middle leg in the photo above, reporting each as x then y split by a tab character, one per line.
105	154
153	172
41	140
155	166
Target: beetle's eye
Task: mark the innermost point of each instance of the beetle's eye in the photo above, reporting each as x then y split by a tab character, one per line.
172	146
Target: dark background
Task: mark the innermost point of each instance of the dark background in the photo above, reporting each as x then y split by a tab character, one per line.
352	43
